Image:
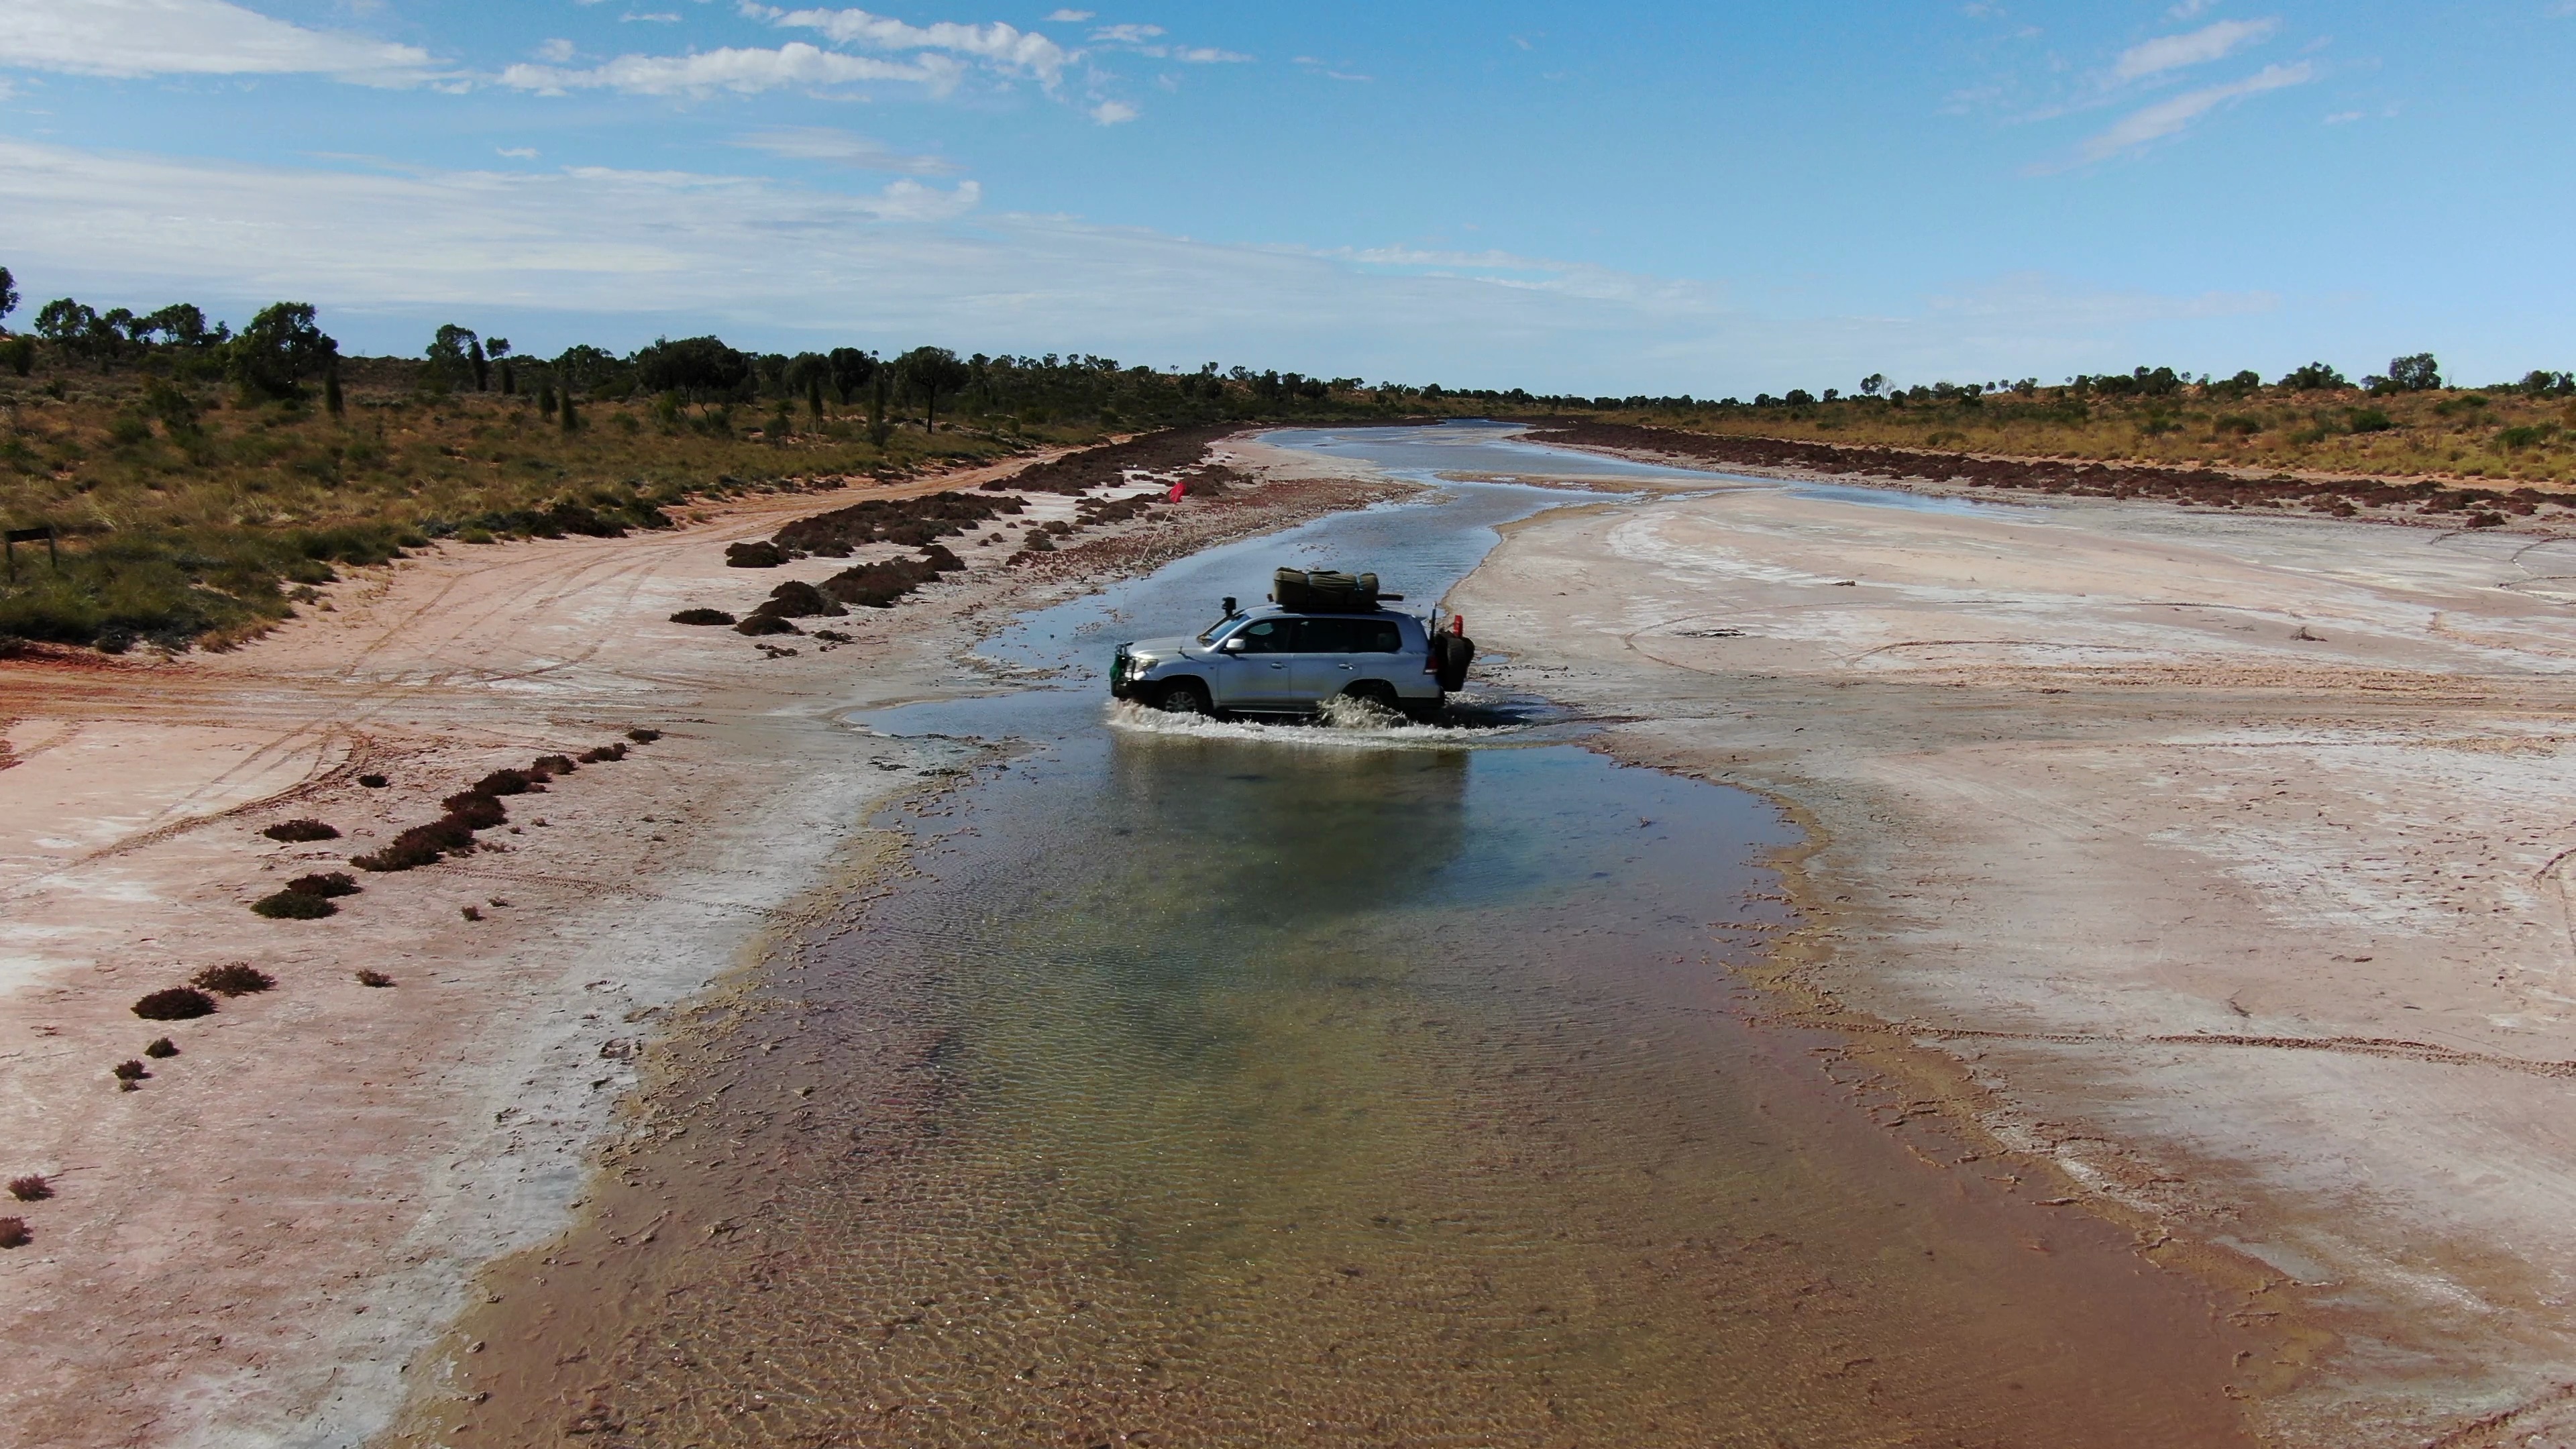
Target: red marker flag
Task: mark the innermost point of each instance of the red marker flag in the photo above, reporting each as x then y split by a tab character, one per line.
1178	488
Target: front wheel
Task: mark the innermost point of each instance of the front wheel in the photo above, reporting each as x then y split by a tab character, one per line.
1184	696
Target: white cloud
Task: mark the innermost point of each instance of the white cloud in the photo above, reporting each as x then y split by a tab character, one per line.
1001	46
2188	9
1070	17
190	37
841	148
658	17
519	153
613	257
2173	52
793	64
1112	113
1126	34
555	52
2166	118
2343	118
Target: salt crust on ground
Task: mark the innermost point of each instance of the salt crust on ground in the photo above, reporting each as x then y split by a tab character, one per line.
2226	850
251	1248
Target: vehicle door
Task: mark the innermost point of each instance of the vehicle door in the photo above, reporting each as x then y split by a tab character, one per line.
1324	664
1337	653
1255	665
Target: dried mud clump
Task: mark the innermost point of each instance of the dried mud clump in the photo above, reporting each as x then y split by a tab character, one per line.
300	830
879	585
911	522
1172	453
161	1047
325	884
754	555
374	782
14	1234
31	1188
233	980
702	616
176	1003
760	624
798	600
293	905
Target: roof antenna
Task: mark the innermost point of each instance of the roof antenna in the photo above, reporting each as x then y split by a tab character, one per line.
1229	606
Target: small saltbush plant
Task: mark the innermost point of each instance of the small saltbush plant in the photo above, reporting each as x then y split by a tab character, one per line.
161	1047
236	979
176	1003
31	1188
293	905
301	830
328	883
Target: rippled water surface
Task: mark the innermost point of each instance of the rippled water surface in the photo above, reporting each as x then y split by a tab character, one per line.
1225	1084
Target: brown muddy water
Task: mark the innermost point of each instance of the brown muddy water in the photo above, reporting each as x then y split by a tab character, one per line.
1270	1085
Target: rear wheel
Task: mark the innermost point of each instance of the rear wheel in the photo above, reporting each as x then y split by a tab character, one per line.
1183	696
1377	692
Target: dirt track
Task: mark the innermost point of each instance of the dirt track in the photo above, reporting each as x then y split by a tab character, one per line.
251	1247
2226	855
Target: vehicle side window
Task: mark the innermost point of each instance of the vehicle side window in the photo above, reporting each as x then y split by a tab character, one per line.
1327	636
1269	636
1378	636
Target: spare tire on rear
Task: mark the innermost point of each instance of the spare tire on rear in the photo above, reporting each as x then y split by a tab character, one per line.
1450	656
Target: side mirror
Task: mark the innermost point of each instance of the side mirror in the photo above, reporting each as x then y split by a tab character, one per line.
1233	645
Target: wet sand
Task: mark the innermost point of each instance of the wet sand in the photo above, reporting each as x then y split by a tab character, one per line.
2217	860
252	1247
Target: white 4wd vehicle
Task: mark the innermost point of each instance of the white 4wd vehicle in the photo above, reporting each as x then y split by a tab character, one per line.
1275	659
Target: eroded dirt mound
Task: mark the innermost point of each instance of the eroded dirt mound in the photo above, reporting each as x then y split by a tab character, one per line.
2097	480
909	521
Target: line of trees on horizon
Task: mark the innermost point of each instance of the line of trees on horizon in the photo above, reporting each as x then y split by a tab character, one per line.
282	347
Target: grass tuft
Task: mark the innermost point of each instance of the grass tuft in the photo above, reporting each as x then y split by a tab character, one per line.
131	1070
702	616
301	830
14	1234
643	737
161	1047
31	1188
368	976
176	1003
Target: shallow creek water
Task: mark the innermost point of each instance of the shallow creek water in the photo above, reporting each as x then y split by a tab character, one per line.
1236	1084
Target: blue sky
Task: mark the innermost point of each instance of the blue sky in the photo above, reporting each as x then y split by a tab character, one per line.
1708	199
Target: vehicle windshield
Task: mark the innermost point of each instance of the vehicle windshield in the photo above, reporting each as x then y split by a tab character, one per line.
1209	635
